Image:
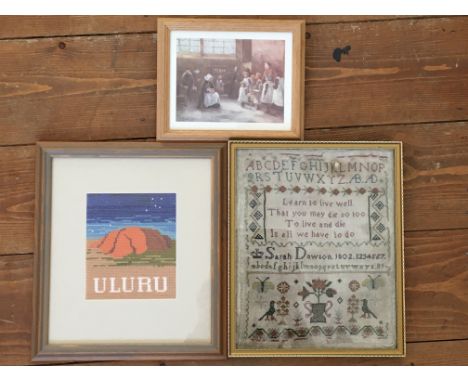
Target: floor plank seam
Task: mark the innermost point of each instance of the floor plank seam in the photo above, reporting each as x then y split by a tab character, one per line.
7	255
408	124
310	23
336	128
75	35
431	341
91	141
415	17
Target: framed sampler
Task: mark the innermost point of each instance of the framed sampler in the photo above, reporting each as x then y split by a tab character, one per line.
316	249
224	78
129	252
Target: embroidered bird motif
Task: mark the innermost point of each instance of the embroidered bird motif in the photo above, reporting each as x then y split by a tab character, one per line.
366	311
269	314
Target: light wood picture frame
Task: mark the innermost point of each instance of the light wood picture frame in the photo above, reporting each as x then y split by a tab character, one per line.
316	249
230	78
91	194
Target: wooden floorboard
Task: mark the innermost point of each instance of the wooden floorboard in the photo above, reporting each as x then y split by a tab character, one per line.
429	353
438	353
402	71
104	87
100	87
89	78
40	26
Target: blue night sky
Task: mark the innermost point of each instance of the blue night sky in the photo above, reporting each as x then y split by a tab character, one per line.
106	212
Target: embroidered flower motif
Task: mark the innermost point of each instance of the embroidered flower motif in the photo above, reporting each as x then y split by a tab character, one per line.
283	306
341	330
267	188
323	190
258	335
301	332
362	190
283	287
297	319
273	333
315	331
282	189
319	288
379	330
296	189
254	189
335	191
288	334
354	285
353	307
319	284
348	191
367	331
310	190
328	331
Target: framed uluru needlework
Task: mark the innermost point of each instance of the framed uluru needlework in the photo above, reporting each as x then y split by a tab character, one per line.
316	249
129	243
222	78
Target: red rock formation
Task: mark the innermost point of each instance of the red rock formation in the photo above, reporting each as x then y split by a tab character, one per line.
132	240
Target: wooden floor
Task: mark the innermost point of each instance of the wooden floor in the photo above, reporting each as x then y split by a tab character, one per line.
94	78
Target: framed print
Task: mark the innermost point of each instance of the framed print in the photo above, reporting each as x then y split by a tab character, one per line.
129	252
223	78
316	249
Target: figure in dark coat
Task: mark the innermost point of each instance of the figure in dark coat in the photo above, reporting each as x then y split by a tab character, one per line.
234	90
187	82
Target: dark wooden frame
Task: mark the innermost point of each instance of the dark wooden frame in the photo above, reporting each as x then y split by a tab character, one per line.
164	131
42	351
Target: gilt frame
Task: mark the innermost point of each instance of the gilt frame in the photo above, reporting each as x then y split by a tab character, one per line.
400	348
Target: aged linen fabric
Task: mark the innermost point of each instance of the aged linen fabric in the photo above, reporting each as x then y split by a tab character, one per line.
315	261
